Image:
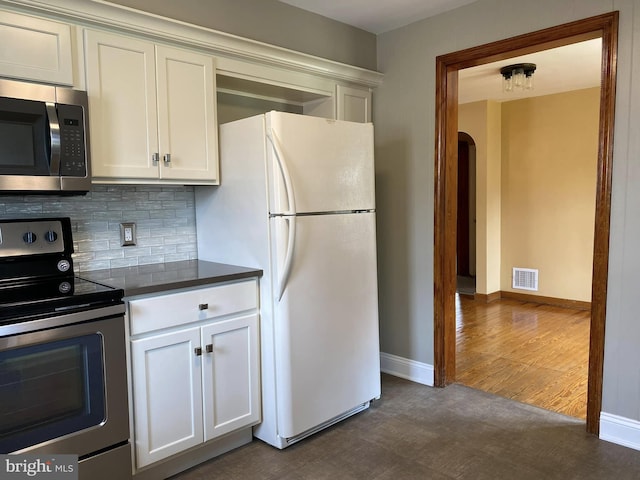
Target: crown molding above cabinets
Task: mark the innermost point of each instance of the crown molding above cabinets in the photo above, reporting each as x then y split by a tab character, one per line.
96	41
100	14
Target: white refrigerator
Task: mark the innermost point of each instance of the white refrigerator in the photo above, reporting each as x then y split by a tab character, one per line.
296	199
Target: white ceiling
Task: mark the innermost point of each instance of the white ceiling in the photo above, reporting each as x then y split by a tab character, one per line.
377	16
558	70
562	69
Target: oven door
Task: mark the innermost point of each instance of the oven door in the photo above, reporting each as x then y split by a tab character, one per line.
64	390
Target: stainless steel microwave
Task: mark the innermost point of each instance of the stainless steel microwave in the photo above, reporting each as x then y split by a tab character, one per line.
44	139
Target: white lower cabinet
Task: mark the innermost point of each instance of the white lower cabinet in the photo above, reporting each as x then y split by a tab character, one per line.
167	395
231	391
197	382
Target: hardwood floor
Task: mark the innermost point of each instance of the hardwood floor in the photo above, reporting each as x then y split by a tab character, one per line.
536	354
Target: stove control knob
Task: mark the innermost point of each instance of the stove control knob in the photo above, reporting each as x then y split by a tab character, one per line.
65	287
64	265
29	237
51	236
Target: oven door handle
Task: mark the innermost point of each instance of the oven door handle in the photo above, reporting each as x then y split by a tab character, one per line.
54	139
61	320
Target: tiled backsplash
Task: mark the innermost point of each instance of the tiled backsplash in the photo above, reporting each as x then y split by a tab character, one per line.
164	216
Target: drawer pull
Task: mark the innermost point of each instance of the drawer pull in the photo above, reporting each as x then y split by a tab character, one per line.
203	306
198	351
209	348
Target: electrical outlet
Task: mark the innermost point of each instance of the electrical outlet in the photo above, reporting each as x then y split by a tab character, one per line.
128	234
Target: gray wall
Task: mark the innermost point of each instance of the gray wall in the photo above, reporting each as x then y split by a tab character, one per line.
234	107
272	22
164	216
404	118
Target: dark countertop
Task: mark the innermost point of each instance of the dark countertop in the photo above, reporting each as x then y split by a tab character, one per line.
160	277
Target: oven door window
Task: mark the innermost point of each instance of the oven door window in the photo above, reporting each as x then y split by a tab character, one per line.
50	390
25	146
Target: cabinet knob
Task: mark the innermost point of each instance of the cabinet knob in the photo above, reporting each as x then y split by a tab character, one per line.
209	348
167	159
155	158
203	306
197	351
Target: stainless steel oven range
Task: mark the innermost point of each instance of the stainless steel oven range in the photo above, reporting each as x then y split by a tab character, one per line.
63	382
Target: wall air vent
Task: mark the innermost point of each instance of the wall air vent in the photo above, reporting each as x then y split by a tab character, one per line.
525	278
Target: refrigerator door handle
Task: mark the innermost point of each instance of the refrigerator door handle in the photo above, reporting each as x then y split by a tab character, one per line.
288	185
288	259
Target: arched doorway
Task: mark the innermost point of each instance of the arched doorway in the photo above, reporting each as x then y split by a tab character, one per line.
465	238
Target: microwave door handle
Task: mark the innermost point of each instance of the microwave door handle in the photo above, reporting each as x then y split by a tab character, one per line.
54	132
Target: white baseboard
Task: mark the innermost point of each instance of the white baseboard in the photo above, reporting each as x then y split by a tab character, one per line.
620	430
404	368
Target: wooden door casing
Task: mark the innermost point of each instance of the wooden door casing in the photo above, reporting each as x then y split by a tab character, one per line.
445	198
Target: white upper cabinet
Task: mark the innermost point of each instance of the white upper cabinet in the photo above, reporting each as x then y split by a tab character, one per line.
35	49
353	104
152	112
122	105
187	115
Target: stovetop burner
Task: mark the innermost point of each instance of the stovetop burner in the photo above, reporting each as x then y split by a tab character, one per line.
36	272
33	299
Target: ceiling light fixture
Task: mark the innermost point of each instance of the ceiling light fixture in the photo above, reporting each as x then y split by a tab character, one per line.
518	76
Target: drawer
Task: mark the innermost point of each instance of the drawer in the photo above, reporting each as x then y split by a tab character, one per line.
175	309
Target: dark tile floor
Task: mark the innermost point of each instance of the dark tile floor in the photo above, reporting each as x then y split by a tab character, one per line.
465	285
418	432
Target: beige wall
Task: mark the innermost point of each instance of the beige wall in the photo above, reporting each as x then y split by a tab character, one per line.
481	120
539	211
493	196
549	160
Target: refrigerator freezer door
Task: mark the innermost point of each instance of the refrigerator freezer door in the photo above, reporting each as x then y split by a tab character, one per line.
329	162
326	323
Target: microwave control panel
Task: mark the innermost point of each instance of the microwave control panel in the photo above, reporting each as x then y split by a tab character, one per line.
73	162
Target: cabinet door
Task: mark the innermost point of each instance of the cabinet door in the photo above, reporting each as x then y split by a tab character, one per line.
187	115
35	49
122	106
231	375
167	394
353	104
